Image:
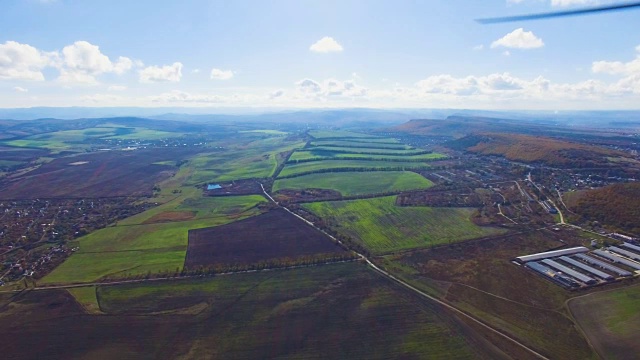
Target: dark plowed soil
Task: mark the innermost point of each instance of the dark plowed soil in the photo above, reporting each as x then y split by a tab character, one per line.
274	235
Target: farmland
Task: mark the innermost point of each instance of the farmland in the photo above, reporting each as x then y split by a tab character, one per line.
340	134
383	227
357	183
272	236
291	170
300	156
142	244
478	276
611	321
336	311
108	173
170	269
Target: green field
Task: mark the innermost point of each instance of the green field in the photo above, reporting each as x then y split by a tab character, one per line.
353	150
339	311
256	159
304	155
360	144
383	227
364	142
330	134
150	242
277	310
54	146
379	165
265	132
611	321
357	183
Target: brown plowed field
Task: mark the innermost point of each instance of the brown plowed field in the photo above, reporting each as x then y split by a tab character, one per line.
274	235
102	174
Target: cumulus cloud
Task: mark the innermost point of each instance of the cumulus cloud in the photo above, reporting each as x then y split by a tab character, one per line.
23	62
618	67
629	73
330	88
326	45
170	73
519	39
20	89
82	61
218	74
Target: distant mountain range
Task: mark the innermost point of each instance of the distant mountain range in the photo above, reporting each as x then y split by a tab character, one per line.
356	117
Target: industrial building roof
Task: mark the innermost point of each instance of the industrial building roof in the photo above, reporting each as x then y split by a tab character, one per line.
604	265
578	264
617	259
568	271
554	253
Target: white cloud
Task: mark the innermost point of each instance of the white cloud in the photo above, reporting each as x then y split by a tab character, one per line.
23	62
506	53
20	89
329	88
308	86
478	47
195	71
629	72
565	3
326	45
221	74
276	94
82	61
519	39
116	88
171	73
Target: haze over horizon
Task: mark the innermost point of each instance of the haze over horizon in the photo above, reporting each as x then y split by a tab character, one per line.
320	54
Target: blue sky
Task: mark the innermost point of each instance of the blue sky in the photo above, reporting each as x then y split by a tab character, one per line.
381	54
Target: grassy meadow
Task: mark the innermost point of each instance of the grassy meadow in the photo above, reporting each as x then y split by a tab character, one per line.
383	227
357	183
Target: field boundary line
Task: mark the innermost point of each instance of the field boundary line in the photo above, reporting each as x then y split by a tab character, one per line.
420	292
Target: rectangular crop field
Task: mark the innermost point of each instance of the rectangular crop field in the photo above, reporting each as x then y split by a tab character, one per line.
375	151
330	134
327	165
383	227
360	144
274	235
108	173
611	321
357	183
152	241
339	311
307	155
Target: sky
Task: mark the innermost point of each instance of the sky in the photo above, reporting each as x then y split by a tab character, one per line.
317	54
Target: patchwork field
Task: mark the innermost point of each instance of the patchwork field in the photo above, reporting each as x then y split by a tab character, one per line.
340	134
357	183
365	165
142	244
340	311
611	321
252	159
109	173
315	155
273	235
383	227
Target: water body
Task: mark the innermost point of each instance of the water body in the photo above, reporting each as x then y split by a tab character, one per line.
213	186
